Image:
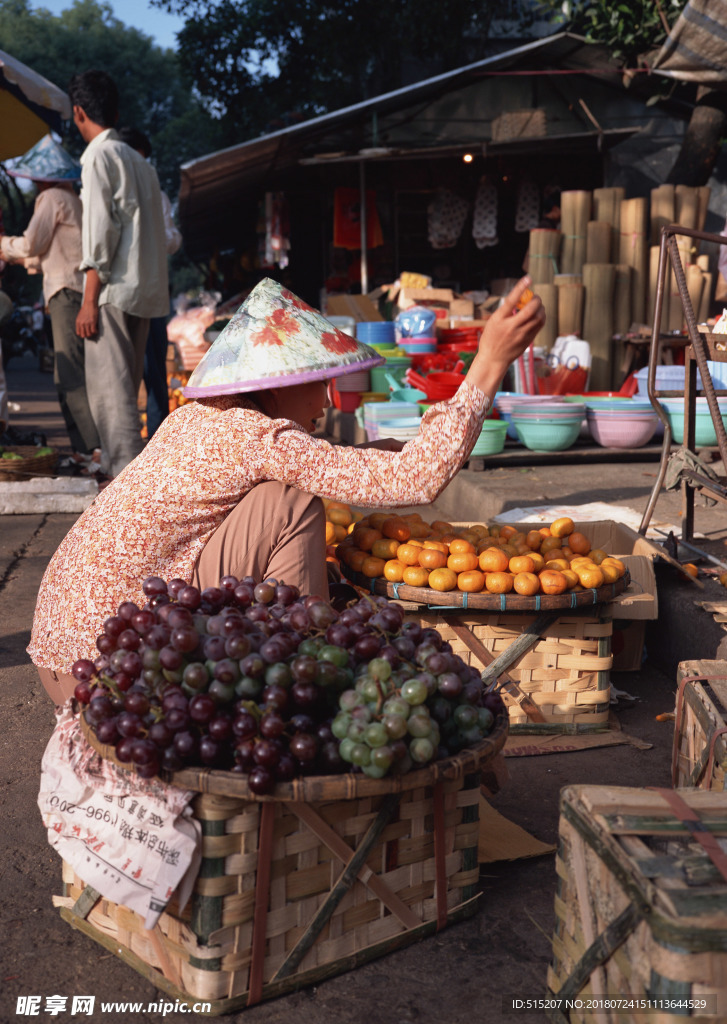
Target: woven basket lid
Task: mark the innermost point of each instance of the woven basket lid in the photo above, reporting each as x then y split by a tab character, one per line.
273	340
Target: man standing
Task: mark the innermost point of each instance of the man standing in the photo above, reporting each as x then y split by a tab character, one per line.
124	262
52	242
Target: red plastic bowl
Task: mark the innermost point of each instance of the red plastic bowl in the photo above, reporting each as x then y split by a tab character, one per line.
346	401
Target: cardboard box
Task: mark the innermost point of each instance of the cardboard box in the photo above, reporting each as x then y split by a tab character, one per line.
360	307
440	299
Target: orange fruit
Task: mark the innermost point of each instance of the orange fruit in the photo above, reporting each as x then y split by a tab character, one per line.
396	528
341	516
567	552
523	549
411	517
394	570
534	539
507	531
480	529
538	561
495	530
330	533
526	583
570	577
419	530
462	561
610	572
557	563
442	579
562	527
493	560
431	558
376	519
373	566
545	531
471	582
691	568
521	563
416	576
441	526
553	582
385	548
550	544
364	537
616	562
579	543
597	555
437	545
470	536
589	576
723	579
341	532
461	546
356	559
408	554
498	582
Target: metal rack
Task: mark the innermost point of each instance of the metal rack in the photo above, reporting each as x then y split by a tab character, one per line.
701	347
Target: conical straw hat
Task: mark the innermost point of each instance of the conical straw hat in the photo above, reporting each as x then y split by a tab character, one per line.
47	161
273	340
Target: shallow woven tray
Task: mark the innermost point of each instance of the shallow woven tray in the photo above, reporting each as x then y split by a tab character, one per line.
343	786
489	602
28	466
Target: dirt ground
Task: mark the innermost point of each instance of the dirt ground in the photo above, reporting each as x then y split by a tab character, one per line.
459	976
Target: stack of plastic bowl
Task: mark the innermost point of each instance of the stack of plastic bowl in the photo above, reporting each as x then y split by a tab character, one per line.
396	365
418	346
505	402
621	423
377	332
441	385
704	432
492	438
547	426
346	390
403	428
372	414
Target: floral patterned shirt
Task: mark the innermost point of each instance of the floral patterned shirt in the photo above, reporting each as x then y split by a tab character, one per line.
158	514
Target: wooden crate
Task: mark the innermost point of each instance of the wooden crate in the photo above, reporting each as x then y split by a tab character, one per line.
699	755
325	874
565	674
641	908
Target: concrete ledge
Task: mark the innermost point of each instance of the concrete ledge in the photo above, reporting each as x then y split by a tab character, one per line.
47	494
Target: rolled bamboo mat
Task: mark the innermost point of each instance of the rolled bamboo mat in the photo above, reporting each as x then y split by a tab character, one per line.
622	299
686	207
704	195
695	286
662	210
653	278
633	250
598	241
703	262
570	309
575	212
560	279
543	255
549	297
607	206
599	281
706	301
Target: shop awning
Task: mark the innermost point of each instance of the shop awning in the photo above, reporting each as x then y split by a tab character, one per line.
696	48
29	106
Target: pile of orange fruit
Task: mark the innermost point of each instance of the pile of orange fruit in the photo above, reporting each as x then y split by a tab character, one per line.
474	559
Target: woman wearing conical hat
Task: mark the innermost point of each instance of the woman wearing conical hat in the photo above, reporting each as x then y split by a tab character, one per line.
231	483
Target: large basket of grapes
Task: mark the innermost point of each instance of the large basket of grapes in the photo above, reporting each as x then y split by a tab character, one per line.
337	767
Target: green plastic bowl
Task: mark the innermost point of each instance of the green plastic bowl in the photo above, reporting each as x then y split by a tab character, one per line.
704	432
548	435
492	438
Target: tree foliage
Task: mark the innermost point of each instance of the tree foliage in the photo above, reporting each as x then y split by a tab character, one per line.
628	28
154	94
263	63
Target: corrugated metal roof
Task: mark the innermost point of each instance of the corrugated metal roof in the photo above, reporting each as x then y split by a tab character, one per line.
443	115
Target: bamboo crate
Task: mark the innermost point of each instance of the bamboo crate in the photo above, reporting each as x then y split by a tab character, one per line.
699	755
325	874
641	908
566	673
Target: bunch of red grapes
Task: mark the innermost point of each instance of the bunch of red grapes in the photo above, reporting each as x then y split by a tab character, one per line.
257	679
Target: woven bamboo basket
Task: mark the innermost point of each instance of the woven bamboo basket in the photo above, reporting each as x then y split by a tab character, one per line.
641	907
565	674
324	874
28	465
699	755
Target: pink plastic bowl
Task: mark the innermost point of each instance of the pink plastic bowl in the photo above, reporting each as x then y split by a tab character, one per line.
622	432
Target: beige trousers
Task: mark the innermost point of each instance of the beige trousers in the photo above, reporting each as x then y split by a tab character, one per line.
275	532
